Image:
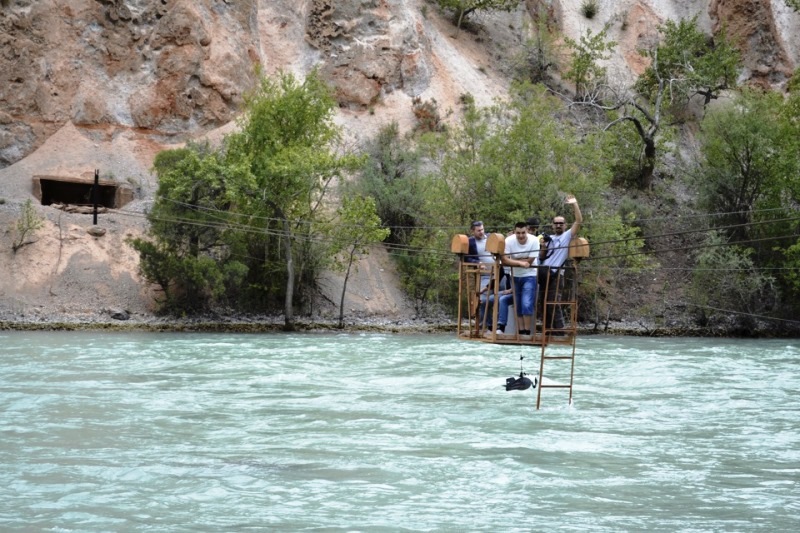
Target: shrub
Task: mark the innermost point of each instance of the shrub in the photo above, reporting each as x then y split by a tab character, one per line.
427	113
28	223
589	8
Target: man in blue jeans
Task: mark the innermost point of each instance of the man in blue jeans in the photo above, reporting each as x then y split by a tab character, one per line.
521	254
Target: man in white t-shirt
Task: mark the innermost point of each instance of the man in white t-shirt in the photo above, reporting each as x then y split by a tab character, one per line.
521	254
552	258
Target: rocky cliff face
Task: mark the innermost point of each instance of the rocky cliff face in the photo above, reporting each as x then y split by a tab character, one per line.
174	69
105	84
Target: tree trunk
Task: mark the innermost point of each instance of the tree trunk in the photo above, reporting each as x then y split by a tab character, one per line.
648	165
288	310
344	290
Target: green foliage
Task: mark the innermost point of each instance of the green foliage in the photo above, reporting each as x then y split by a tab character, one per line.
27	225
501	165
793	86
748	161
241	223
427	113
391	177
505	163
794	4
589	8
286	146
539	55
726	279
791	272
586	54
634	212
616	244
427	274
188	251
358	228
623	147
687	62
683	63
462	9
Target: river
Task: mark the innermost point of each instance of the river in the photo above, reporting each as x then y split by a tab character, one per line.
373	432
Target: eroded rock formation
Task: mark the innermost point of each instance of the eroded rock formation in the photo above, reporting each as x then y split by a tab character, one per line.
178	68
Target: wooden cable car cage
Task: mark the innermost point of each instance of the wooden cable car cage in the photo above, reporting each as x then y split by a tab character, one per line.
478	309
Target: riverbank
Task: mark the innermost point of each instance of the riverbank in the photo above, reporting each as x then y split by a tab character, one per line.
104	321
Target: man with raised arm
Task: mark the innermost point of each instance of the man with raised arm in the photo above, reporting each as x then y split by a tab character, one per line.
552	255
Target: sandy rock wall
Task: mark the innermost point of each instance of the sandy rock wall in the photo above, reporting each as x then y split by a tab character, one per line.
766	31
164	66
178	68
371	48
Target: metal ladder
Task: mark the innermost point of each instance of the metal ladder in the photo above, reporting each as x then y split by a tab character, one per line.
560	289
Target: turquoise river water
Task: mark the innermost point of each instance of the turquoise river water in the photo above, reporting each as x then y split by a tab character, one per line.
371	432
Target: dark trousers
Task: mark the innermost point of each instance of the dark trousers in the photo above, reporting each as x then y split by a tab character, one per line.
550	283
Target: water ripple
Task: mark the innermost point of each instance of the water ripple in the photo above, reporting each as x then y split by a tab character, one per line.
373	432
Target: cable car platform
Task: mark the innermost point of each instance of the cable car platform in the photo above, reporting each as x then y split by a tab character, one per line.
555	317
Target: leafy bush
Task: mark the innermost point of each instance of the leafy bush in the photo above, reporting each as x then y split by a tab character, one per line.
28	223
726	280
589	8
427	113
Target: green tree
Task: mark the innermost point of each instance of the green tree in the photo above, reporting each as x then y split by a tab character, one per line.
792	271
690	63
539	54
747	164
518	158
187	250
286	142
426	270
747	176
616	247
502	165
391	177
726	279
585	69
358	227
709	67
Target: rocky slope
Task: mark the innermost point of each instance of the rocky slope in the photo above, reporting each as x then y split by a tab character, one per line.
106	84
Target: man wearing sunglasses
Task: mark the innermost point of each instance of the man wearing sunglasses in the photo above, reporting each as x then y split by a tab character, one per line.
552	256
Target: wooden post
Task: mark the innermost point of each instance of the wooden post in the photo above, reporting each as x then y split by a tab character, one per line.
95	192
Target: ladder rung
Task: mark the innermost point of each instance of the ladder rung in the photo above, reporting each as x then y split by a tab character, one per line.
555	386
559	357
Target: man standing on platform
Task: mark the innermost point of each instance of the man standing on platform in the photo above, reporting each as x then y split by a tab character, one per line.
551	258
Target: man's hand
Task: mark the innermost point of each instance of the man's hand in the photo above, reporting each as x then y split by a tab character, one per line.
571	199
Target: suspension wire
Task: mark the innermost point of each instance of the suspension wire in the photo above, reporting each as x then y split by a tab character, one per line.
695	247
743	313
457	227
246	228
692	269
703	230
444	254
